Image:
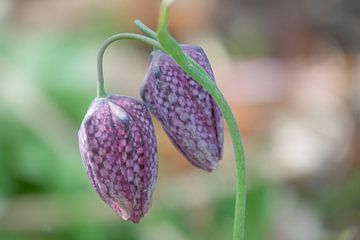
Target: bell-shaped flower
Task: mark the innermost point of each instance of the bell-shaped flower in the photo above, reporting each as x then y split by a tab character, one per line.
187	112
118	149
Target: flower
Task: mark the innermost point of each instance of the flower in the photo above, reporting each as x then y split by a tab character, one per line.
187	112
118	148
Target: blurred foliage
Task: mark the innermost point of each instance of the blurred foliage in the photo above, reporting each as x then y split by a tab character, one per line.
44	191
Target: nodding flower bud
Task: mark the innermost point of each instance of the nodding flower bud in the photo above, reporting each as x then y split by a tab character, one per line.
187	112
118	149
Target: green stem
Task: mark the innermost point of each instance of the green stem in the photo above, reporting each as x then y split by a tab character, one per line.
145	29
171	46
101	88
164	41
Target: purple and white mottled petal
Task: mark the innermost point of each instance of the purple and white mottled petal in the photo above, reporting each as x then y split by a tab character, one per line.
119	164
186	111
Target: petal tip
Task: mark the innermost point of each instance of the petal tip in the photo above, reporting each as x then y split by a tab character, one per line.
124	213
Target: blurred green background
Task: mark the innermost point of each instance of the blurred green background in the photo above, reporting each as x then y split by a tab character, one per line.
290	70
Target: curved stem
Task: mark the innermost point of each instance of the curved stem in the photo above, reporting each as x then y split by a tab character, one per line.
196	72
240	201
164	41
145	29
101	88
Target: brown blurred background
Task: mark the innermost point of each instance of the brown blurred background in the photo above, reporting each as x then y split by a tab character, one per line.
290	70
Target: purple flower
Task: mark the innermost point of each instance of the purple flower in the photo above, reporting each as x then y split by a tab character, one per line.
189	115
118	149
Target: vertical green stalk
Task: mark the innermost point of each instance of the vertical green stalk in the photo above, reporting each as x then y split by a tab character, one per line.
170	45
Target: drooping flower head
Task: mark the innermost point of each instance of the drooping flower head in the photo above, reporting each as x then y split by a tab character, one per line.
118	149
188	114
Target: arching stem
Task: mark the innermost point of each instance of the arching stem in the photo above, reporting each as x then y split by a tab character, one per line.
101	88
163	40
196	72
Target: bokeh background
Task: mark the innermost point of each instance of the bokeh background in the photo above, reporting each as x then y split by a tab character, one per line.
290	70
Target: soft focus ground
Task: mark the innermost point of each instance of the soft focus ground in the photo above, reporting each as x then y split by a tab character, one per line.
290	70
